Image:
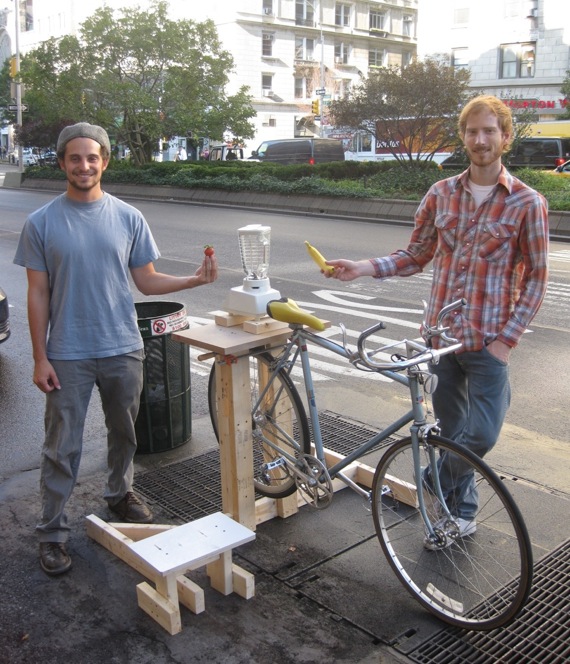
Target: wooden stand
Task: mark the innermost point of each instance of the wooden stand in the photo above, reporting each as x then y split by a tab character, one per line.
230	343
164	553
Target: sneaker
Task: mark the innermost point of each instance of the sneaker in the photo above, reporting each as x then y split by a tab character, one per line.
132	509
449	531
54	558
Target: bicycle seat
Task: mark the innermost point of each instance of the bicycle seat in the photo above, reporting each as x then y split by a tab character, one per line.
288	311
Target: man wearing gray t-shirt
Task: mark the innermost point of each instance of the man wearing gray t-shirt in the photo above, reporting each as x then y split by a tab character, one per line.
78	251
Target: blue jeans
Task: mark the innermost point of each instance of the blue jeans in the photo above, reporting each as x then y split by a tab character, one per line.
471	400
120	381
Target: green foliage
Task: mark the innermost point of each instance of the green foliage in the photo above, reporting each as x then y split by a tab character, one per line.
384	179
411	110
140	75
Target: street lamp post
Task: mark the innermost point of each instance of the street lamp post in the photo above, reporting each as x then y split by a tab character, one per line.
18	84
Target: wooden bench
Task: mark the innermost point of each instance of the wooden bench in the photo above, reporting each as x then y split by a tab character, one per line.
163	554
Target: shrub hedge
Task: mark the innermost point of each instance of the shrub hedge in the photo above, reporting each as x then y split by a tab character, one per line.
354	179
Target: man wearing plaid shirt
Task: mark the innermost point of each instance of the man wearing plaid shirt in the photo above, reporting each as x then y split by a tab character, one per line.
486	234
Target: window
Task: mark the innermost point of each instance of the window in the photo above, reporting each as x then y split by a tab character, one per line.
408	26
267	7
376	57
304	12
361	142
269	121
342	14
377	20
461	16
341	54
303	87
517	60
304	48
266	85
459	58
28	9
267	44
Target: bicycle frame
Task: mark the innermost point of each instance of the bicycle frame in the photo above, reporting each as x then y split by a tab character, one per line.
297	346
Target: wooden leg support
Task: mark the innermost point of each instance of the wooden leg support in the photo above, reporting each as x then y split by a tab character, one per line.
164	553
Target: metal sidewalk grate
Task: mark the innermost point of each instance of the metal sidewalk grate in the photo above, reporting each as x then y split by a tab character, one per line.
343	435
190	489
540	634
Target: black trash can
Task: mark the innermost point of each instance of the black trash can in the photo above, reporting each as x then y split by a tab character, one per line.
164	420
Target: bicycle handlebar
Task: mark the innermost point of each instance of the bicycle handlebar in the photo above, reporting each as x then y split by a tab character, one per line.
425	353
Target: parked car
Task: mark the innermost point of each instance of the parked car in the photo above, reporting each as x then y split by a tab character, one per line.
48	158
563	169
225	153
4	317
28	157
300	151
546	152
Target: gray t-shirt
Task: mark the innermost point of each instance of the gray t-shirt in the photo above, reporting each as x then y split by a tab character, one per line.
87	250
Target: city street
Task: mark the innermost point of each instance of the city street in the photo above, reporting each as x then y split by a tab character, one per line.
323	591
535	424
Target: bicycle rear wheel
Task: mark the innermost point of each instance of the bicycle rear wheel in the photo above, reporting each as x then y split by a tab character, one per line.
279	426
479	581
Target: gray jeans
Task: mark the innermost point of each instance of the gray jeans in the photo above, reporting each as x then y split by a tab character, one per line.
119	380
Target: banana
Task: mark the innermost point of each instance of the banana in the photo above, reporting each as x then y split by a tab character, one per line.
319	259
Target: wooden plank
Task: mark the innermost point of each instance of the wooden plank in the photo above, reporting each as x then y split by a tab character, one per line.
190	594
225	319
220	573
165	613
192	544
137	532
233	392
228	340
243	582
264	324
118	544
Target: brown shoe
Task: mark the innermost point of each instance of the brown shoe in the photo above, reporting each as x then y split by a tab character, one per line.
132	509
54	558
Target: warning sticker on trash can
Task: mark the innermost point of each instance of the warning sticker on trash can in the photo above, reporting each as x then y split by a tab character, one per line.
165	324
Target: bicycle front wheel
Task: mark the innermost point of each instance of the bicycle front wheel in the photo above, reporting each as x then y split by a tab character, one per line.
480	577
280	429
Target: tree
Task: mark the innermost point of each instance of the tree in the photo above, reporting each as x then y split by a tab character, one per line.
410	111
141	76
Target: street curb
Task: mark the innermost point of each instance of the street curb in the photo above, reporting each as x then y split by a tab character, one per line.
366	209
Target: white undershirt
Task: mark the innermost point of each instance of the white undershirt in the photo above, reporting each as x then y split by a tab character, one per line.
480	192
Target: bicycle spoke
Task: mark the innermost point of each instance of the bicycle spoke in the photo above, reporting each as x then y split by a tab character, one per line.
479	581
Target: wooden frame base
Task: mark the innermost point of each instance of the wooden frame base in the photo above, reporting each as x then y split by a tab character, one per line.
163	554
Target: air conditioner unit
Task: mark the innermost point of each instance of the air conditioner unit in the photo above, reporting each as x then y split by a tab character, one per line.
268	93
339	60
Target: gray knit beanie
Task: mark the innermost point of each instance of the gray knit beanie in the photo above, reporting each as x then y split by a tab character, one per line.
83	130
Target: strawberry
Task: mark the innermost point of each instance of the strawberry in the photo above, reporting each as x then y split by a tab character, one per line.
208	250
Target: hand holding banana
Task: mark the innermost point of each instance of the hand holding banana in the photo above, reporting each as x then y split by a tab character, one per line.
319	259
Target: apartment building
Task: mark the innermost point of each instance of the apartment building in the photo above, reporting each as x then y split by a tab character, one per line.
298	55
289	53
518	50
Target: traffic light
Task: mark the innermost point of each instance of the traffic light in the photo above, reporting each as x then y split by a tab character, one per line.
315	107
13	67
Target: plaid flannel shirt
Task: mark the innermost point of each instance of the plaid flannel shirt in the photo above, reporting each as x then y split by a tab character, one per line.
495	256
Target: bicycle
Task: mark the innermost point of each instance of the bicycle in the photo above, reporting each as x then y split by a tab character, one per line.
476	577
